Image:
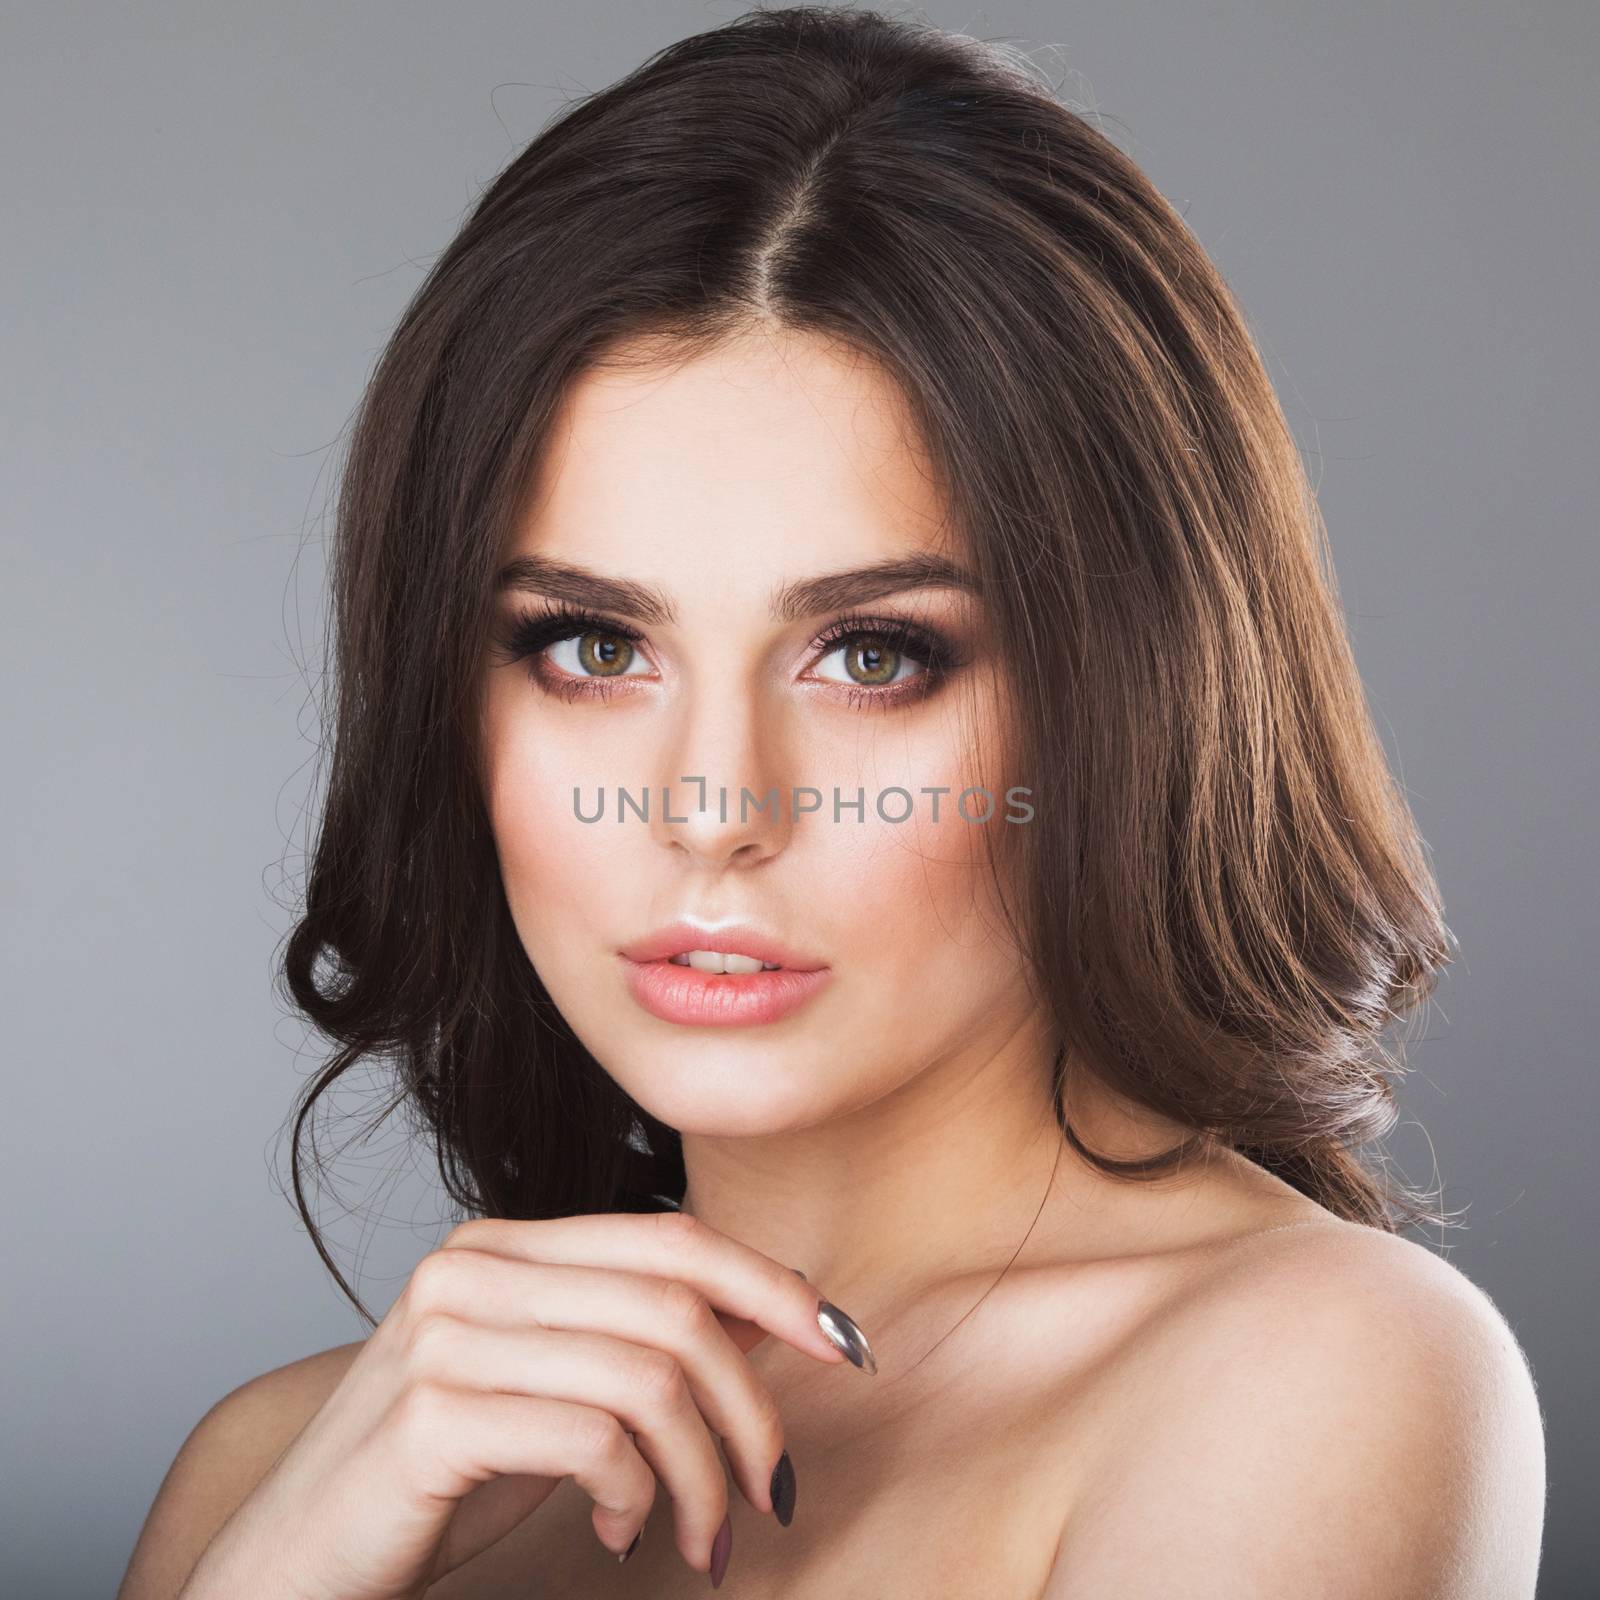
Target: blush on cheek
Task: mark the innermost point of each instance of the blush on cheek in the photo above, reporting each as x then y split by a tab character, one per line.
550	857
915	894
551	862
946	858
533	768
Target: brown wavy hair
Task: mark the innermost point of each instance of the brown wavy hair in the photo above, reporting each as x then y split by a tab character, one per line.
1224	893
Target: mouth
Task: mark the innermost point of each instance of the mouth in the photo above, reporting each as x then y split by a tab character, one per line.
732	977
724	961
739	949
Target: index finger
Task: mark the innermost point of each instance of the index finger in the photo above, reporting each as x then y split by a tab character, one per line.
734	1277
744	1333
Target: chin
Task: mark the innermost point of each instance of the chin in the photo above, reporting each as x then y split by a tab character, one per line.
733	1087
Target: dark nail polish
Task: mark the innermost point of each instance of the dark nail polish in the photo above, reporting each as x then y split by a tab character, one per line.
782	1489
632	1547
842	1331
721	1549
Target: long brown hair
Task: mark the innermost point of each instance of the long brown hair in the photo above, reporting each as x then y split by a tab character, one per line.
1224	894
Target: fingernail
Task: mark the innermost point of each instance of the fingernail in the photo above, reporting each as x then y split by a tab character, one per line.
842	1330
797	1270
632	1547
721	1549
782	1489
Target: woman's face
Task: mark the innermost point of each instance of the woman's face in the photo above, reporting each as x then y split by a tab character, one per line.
717	492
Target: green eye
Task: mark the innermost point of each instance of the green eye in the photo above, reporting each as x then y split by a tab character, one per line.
871	661
594	654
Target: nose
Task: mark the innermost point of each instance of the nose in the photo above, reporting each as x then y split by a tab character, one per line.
720	799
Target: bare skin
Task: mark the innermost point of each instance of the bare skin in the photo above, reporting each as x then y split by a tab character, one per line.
954	1470
1027	1448
1028	1437
1206	1385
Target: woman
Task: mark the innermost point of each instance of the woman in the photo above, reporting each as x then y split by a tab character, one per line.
850	789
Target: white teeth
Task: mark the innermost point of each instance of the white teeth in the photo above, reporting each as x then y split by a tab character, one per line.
721	961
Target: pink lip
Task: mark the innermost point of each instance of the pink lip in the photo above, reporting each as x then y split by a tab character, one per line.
719	999
738	939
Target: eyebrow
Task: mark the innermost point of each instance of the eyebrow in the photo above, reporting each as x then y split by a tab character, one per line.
804	597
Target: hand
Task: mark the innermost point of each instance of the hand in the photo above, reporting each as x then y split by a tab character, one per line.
606	1348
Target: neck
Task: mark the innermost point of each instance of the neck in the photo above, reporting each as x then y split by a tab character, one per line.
940	1177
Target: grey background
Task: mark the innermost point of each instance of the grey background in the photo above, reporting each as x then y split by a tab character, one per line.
212	215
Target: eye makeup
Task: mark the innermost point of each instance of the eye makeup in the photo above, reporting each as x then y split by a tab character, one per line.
529	635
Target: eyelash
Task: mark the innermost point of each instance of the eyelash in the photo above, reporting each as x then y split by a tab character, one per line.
530	634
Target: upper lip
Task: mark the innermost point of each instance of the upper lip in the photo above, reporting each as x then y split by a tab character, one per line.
733	938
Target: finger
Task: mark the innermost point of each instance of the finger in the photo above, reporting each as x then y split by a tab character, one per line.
744	1333
732	1275
644	1388
456	1438
664	1314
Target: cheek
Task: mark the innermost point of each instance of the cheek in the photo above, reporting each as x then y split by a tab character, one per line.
552	864
926	906
916	901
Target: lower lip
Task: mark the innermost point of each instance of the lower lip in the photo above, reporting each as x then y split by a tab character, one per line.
720	999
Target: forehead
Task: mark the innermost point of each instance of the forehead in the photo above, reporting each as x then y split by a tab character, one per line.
771	450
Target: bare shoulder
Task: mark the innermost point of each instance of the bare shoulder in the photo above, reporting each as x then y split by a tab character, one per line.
1326	1408
226	1454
